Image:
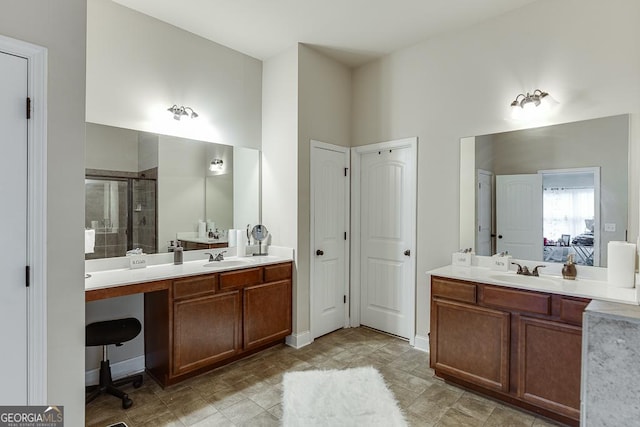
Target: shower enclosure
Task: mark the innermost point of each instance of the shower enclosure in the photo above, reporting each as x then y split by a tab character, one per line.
123	212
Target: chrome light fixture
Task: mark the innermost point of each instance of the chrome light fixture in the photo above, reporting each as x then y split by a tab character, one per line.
216	164
180	111
529	102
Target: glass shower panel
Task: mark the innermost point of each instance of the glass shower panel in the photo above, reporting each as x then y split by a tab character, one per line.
107	213
144	215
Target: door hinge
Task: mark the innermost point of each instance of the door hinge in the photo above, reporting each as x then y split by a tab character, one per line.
344	299
28	108
345	171
28	276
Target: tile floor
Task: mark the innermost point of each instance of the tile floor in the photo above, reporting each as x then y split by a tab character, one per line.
248	392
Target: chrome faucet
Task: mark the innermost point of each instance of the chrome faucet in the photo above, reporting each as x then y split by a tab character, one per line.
524	270
218	257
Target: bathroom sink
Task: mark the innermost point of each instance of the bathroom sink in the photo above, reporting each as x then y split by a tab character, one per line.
524	280
226	263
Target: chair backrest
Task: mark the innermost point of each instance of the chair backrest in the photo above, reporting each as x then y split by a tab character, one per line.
566	239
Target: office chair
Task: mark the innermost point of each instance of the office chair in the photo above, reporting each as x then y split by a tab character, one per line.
106	333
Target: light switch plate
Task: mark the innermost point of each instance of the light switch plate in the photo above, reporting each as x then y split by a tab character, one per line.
610	227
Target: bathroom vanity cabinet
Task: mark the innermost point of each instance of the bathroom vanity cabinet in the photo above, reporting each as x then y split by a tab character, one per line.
520	346
202	322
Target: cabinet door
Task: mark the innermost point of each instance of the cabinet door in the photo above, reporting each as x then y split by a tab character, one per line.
205	330
470	343
549	365
267	313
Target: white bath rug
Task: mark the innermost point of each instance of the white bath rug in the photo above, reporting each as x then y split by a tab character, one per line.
350	397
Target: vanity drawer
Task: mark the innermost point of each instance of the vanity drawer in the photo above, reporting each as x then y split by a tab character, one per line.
571	310
240	278
451	289
530	302
273	273
196	286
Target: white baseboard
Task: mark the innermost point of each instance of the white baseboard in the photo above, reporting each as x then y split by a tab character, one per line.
299	340
118	370
421	342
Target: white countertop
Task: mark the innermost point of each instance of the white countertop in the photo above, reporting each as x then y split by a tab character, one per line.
111	272
580	287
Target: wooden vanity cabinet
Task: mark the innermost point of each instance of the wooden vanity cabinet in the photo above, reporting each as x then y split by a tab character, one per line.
521	346
206	321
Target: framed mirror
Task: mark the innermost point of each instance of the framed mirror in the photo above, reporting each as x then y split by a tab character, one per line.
145	190
544	193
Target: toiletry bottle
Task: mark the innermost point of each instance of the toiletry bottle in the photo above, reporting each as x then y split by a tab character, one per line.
569	271
170	247
177	254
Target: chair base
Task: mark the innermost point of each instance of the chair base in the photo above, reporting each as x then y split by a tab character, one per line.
108	386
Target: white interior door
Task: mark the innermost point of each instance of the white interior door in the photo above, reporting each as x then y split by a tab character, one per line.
329	233
485	213
13	229
387	215
519	215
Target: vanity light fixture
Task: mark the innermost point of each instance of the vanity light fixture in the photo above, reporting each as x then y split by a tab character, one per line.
180	111
524	104
216	164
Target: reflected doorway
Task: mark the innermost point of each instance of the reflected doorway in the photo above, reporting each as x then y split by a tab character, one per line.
571	215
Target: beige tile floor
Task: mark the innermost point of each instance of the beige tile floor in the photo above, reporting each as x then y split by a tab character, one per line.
248	392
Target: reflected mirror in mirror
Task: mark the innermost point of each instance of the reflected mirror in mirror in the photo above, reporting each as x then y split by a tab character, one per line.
544	193
145	190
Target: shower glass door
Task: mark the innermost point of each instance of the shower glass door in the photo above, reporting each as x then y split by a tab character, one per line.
122	211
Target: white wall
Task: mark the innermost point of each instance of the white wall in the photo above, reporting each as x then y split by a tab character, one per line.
246	187
60	27
583	52
111	148
181	187
279	156
324	114
137	67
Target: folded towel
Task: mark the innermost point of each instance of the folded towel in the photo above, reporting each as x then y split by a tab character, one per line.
89	241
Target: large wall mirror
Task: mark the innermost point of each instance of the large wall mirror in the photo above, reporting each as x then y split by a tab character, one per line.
546	193
143	190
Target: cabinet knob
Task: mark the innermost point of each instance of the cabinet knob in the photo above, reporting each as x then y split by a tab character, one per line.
319	252
407	252
499	236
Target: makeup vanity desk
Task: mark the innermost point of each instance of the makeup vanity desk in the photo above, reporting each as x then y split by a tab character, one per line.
197	317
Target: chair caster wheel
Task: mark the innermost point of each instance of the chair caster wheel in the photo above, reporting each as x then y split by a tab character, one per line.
126	402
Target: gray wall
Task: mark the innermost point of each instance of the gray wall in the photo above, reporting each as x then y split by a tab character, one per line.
60	27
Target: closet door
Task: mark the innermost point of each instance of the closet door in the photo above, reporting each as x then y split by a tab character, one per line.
13	229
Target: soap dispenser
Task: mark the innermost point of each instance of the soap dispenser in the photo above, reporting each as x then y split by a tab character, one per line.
569	271
177	254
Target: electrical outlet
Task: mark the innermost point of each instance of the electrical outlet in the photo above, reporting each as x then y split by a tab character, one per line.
610	227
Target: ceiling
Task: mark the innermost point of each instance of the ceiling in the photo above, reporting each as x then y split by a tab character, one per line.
351	31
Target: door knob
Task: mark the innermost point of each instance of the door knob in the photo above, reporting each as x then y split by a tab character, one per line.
407	252
319	252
